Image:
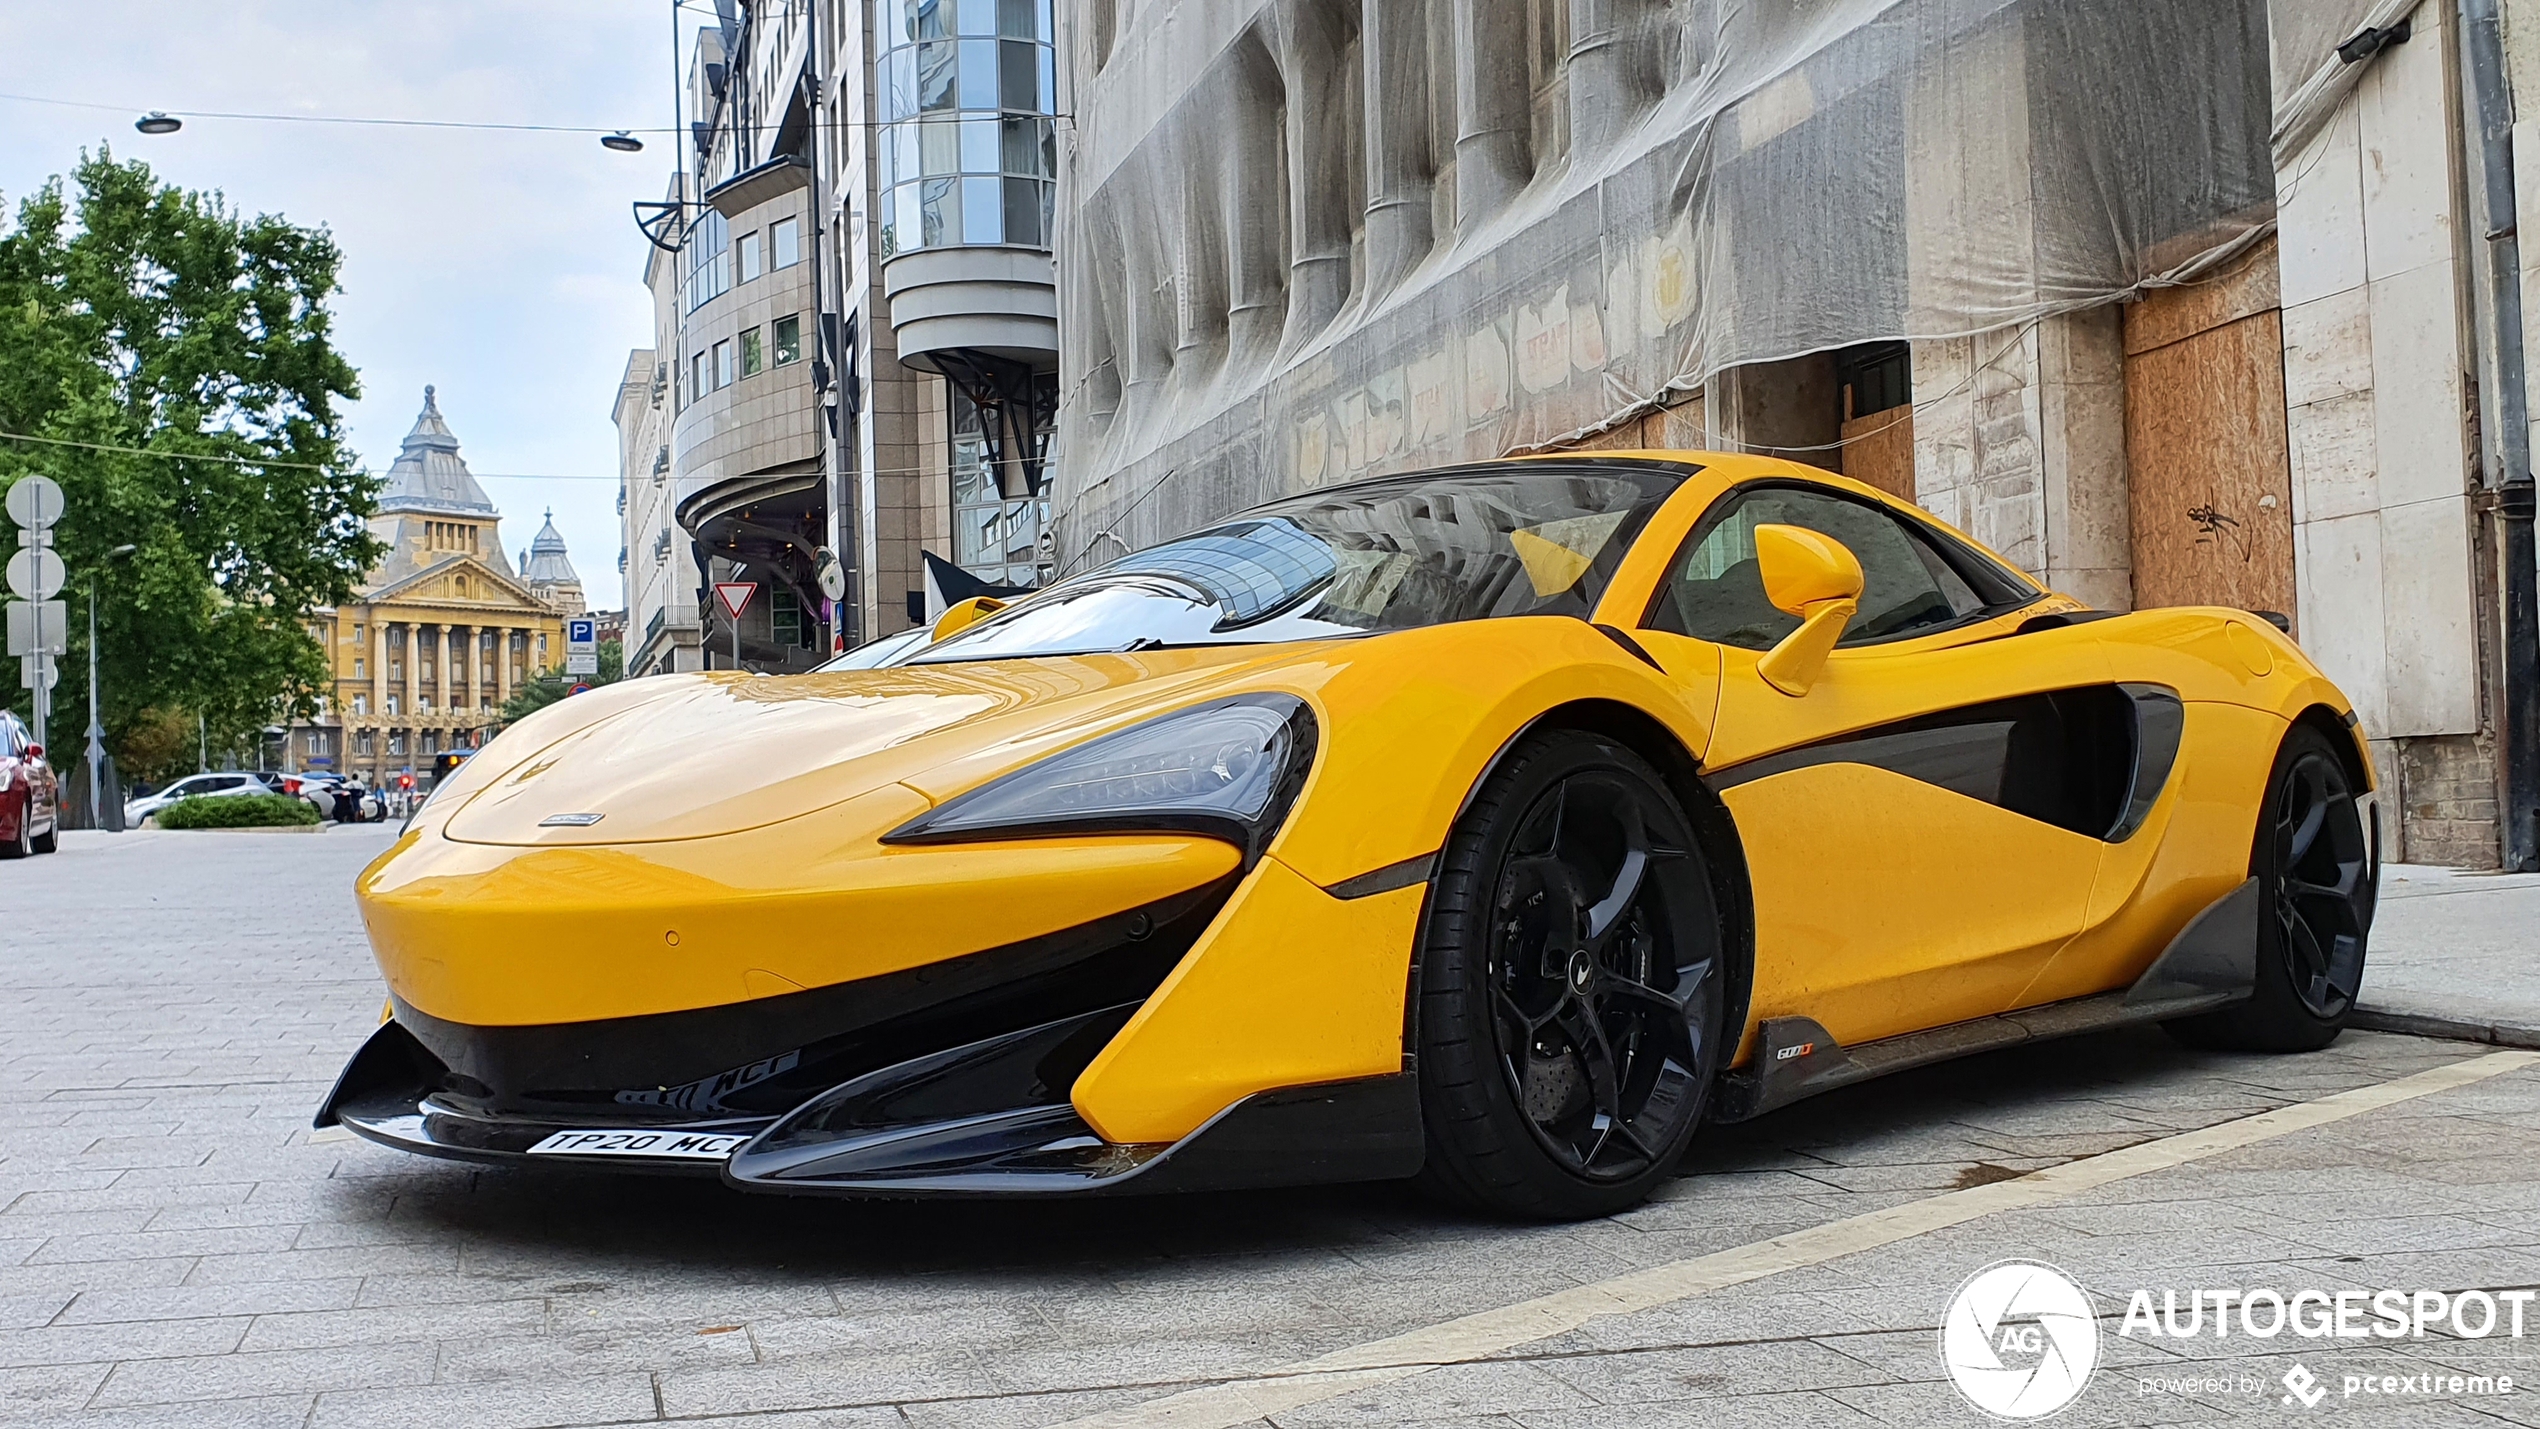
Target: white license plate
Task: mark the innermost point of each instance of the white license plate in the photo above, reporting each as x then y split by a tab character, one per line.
677	1145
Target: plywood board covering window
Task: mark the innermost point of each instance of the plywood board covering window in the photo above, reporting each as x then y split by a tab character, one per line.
2208	471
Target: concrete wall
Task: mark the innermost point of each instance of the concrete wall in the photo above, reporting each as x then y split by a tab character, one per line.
2376	353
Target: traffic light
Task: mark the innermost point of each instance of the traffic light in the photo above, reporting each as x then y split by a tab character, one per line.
405	781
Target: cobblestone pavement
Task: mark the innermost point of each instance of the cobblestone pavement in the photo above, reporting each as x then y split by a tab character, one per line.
177	1247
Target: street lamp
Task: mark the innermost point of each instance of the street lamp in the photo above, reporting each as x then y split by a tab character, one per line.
158	121
96	727
622	142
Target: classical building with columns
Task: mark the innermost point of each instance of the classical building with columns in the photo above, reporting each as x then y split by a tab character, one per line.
445	627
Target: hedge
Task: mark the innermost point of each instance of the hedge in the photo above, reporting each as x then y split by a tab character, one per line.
237	811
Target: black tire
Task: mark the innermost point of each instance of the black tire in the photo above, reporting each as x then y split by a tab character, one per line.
51	838
1571	986
2312	857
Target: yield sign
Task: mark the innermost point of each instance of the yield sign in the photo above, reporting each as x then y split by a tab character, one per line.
735	595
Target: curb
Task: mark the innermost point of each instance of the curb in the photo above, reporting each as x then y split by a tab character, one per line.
2454	1029
257	829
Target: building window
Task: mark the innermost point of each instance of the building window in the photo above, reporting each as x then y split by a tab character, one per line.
358	673
397	740
362	742
786	237
993	538
423	704
358	635
699	386
751	264
542	647
361	705
753	356
967	151
709	259
432	741
723	363
392	704
320	745
788	332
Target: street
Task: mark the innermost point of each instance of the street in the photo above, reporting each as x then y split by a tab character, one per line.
178	1247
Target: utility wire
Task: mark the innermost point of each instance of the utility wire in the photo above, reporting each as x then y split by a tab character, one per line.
338	118
833	123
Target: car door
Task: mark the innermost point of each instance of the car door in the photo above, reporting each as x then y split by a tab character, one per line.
1912	824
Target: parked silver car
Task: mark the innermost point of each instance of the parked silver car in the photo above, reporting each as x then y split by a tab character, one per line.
193	786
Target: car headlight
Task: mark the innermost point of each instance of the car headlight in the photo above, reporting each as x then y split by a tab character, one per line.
1228	769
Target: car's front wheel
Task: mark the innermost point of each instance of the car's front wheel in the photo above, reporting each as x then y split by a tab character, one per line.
22	843
1571	986
2313	861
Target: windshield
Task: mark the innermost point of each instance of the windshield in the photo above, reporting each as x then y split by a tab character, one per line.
1468	543
874	653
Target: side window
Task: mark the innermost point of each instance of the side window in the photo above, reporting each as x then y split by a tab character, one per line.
8	738
1717	591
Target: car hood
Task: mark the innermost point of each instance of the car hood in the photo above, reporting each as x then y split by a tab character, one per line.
695	756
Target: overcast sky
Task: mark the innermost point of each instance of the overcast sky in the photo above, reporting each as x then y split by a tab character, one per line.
504	268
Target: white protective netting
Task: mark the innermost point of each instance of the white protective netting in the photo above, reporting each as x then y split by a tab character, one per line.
1576	210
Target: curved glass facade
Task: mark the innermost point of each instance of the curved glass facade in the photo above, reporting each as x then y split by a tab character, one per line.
966	152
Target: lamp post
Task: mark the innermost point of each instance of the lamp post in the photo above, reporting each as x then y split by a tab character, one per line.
96	726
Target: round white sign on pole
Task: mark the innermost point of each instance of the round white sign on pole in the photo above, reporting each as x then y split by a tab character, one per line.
35	573
36	501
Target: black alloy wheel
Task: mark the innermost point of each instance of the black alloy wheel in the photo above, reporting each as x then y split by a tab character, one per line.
2322	908
1572	986
2316	885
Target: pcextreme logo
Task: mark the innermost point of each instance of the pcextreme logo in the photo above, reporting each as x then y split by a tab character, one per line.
2019	1339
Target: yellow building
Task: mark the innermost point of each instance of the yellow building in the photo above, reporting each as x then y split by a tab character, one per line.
445	628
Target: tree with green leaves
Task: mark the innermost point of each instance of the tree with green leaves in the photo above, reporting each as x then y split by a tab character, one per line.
547	687
171	363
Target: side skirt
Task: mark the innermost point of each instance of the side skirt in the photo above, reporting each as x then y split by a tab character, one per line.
2212	963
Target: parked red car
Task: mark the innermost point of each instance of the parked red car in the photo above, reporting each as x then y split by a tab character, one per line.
30	796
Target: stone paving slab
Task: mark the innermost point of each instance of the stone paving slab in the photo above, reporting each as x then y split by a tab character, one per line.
178	1247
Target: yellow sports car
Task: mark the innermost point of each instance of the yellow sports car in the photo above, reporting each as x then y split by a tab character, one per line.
1498	824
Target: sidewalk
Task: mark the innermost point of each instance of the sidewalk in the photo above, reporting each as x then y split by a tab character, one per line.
2455	954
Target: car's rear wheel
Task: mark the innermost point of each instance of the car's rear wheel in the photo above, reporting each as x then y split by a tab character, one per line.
51	838
1570	987
2313	861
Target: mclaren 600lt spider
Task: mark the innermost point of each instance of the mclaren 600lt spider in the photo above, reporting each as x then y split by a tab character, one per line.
1498	825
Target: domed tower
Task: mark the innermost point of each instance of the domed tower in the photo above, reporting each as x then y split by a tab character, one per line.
431	508
549	571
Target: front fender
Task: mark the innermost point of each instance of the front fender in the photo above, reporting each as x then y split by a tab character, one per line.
1409	735
1301	978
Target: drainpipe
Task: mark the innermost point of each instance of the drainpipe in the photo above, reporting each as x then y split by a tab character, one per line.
2519	814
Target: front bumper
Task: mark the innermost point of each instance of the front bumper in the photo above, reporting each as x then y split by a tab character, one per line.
990	1118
